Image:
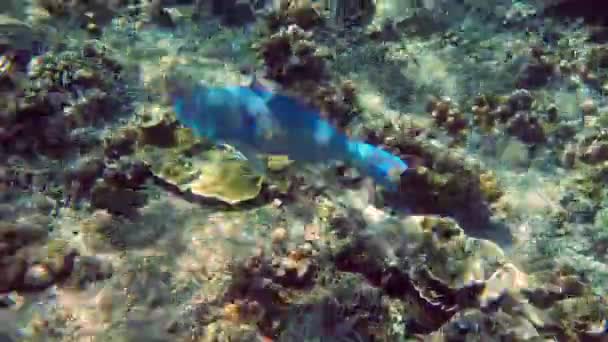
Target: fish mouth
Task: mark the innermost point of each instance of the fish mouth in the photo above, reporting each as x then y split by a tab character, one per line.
181	88
180	93
176	89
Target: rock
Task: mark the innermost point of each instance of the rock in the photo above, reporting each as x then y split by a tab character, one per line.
239	15
15	236
88	270
534	74
592	11
598	34
116	200
84	12
598	58
120	144
568	159
127	174
356	12
14	7
526	127
221	7
16	35
597	152
86	171
520	99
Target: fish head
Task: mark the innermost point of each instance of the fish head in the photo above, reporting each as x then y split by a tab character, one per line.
211	112
232	113
187	100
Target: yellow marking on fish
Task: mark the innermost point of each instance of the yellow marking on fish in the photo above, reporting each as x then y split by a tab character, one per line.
394	175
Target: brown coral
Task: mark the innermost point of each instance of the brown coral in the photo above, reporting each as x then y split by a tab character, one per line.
498	301
441	182
98	12
26	267
304	15
446	115
292	60
63	91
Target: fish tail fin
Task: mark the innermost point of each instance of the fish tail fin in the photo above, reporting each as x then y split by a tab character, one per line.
382	166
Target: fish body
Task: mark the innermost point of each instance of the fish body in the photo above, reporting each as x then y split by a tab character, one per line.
256	121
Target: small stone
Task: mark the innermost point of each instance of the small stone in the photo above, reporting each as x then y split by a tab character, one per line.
589	107
279	235
232	312
311	232
37	276
277	203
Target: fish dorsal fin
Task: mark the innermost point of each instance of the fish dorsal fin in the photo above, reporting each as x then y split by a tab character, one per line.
256	85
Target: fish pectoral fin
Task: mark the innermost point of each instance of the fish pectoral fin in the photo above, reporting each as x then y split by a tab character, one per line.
232	150
258	164
240	156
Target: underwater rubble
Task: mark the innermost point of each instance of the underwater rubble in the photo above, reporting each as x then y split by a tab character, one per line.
118	223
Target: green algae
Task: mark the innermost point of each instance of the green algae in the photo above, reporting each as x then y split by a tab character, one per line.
230	181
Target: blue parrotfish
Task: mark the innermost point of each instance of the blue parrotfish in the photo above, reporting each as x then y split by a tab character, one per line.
257	121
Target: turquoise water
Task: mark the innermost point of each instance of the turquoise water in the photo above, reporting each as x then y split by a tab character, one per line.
118	222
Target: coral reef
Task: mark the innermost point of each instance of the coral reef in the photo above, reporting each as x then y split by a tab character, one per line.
94	16
462	294
63	91
18	37
88	13
118	192
353	12
33	264
291	59
448	117
117	223
228	181
304	15
439	182
190	166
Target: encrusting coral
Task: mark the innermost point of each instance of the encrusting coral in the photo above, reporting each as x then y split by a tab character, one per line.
291	59
61	92
193	245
